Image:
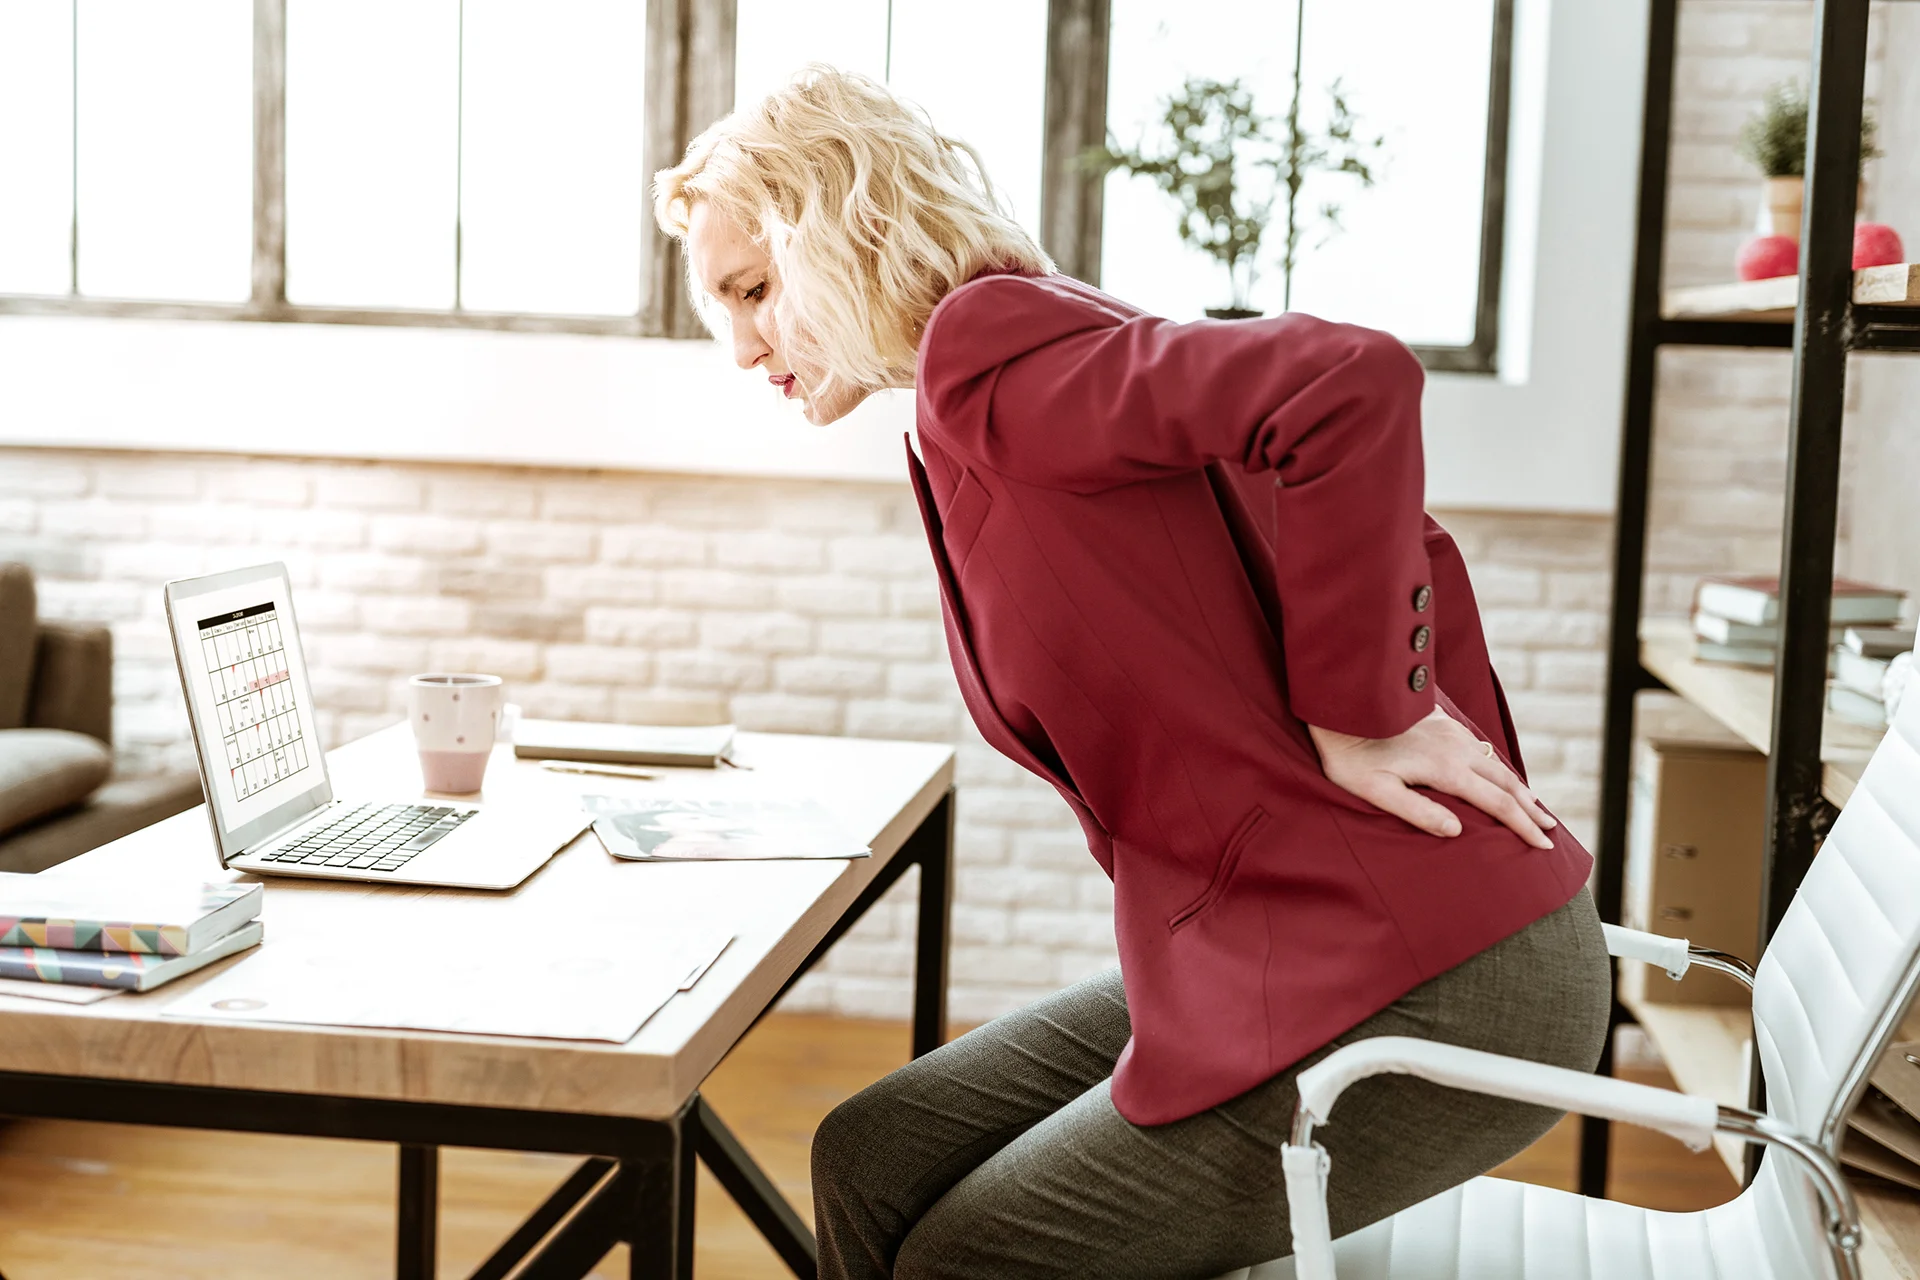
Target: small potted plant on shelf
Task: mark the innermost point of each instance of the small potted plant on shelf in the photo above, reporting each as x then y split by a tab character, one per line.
1776	141
1219	145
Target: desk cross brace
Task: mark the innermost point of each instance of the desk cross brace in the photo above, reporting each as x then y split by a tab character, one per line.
636	1186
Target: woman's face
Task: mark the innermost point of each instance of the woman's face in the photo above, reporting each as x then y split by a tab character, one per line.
738	274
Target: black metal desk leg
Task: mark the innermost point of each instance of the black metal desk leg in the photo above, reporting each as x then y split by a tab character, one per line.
660	1239
751	1189
419	1213
933	849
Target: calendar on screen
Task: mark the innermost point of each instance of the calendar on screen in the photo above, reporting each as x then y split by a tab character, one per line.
258	717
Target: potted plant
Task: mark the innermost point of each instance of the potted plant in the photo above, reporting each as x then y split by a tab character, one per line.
1219	143
1776	141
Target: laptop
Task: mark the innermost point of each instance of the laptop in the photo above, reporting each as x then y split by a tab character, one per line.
269	800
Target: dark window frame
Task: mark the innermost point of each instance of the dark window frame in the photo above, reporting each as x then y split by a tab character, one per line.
689	84
1072	200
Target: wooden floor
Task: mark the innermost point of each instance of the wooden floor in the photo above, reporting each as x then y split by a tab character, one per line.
79	1201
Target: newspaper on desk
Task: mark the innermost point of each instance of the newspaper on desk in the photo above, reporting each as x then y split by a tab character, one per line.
591	979
716	829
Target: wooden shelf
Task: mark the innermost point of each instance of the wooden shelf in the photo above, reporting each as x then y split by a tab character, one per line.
1741	698
1891	1217
1705	1049
1895	286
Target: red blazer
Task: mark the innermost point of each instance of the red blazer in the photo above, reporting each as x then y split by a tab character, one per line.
1163	549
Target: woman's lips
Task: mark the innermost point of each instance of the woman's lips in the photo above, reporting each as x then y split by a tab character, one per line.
785	382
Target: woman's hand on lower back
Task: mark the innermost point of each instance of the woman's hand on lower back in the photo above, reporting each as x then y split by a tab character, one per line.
1440	754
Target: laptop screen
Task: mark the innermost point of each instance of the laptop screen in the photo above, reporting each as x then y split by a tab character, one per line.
246	688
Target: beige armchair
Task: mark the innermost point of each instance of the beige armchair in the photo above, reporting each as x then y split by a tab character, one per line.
58	797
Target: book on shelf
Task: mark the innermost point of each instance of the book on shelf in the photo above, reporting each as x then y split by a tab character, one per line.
697	746
1878	642
69	913
1856	707
1859	673
1711	626
128	972
1755	601
1759	657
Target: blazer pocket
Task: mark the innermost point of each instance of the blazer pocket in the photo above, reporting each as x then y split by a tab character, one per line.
1250	826
963	518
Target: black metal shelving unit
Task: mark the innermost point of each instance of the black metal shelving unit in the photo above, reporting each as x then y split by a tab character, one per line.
1827	326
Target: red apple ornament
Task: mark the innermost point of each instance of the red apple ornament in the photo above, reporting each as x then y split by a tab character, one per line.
1765	257
1875	244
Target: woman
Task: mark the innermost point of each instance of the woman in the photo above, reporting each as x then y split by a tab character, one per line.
1188	580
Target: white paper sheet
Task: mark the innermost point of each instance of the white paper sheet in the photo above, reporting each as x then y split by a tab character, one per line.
62	993
601	982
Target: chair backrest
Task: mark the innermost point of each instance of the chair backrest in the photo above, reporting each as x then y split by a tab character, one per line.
1838	973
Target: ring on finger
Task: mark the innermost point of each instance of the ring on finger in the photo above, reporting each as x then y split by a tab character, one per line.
1487	748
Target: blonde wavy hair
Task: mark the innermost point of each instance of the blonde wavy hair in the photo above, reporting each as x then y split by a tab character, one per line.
869	214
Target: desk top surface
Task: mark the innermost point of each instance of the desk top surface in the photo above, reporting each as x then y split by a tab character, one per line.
777	912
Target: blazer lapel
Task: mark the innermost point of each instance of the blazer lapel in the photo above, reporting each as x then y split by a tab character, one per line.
966	669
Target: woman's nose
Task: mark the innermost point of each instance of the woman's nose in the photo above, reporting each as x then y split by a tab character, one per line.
748	348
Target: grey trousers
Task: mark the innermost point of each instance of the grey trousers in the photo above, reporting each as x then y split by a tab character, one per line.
1001	1155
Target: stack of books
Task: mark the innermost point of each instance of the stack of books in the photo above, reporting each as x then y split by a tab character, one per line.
1860	664
1737	620
134	937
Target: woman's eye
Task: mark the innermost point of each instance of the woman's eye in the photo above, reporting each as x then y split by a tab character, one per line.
756	293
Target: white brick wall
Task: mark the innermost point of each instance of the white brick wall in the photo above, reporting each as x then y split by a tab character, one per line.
809	607
790	606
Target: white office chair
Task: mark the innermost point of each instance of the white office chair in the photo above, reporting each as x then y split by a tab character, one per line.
1831	990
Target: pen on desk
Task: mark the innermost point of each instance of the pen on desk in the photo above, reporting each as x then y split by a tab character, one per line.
611	770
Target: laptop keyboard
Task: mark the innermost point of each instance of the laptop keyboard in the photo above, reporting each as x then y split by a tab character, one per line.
372	837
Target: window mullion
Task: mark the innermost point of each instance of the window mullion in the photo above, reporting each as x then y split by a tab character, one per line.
690	52
1071	197
660	286
269	290
711	29
1493	195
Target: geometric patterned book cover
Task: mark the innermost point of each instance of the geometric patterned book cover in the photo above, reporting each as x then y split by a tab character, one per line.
38	911
105	969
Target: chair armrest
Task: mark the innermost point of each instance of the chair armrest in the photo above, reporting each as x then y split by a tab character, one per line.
1685	1117
73	680
1692	1120
1675	955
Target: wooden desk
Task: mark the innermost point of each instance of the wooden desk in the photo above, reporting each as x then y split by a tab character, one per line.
634	1105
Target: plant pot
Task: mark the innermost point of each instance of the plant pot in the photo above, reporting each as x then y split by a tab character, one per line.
1780	203
1232	313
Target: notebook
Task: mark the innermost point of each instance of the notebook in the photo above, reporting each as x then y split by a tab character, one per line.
157	918
112	969
697	746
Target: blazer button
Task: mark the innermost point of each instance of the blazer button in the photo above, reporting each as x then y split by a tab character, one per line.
1422	637
1418	680
1422	597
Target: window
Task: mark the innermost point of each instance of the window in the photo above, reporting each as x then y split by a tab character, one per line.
373	153
441	161
919	50
1418	251
133	178
36	148
477	154
484	163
